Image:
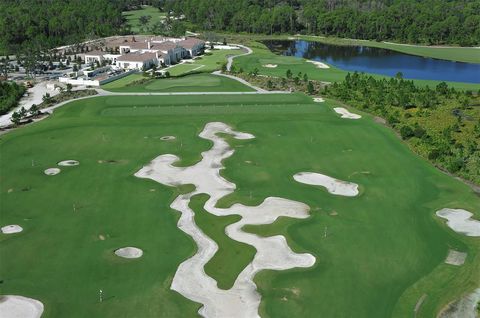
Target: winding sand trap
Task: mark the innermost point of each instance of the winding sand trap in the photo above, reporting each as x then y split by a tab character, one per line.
460	221
52	171
270	65
346	114
167	138
12	306
465	307
190	280
129	252
333	186
318	64
318	100
10	229
456	258
67	163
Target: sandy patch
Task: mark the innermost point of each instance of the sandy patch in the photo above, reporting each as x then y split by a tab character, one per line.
346	114
52	171
270	65
68	163
129	252
10	229
12	306
318	64
333	186
456	258
273	253
465	307
318	100
460	221
165	138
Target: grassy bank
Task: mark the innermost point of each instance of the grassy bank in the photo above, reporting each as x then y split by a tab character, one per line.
262	56
452	53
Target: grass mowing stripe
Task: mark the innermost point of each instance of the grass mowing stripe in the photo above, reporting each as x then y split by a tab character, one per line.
218	109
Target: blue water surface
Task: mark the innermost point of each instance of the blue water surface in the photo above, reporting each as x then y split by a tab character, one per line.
379	61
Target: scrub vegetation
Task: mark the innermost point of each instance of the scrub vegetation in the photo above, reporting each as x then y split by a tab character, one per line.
441	124
10	94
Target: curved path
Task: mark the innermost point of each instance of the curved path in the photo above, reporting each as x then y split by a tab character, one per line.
230	58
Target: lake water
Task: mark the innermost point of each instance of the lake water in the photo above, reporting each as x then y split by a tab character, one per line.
378	61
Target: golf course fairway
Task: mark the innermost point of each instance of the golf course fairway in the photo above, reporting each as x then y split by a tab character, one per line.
376	253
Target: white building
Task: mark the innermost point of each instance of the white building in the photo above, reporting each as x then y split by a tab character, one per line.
137	60
192	46
94	56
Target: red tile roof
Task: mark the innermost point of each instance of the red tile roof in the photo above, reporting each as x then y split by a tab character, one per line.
135	57
189	43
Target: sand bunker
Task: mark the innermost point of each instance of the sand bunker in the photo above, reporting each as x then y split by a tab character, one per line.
12	306
318	64
167	138
346	114
67	163
10	229
273	253
129	252
52	171
270	65
333	186
318	100
456	258
460	221
465	307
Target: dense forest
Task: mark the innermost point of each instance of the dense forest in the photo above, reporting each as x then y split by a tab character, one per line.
412	21
441	124
44	24
10	93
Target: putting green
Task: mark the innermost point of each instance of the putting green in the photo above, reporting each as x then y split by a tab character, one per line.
191	83
384	249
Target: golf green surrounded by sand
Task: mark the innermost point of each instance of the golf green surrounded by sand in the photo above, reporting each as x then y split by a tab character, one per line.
366	245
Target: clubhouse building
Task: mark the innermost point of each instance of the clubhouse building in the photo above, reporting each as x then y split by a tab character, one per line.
130	54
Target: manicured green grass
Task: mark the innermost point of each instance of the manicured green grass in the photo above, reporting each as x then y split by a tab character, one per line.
209	62
133	18
191	83
220	267
262	55
384	248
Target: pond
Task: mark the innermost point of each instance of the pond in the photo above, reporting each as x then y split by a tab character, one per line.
378	61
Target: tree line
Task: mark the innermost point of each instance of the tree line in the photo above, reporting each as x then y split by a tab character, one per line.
441	124
427	22
44	24
10	93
